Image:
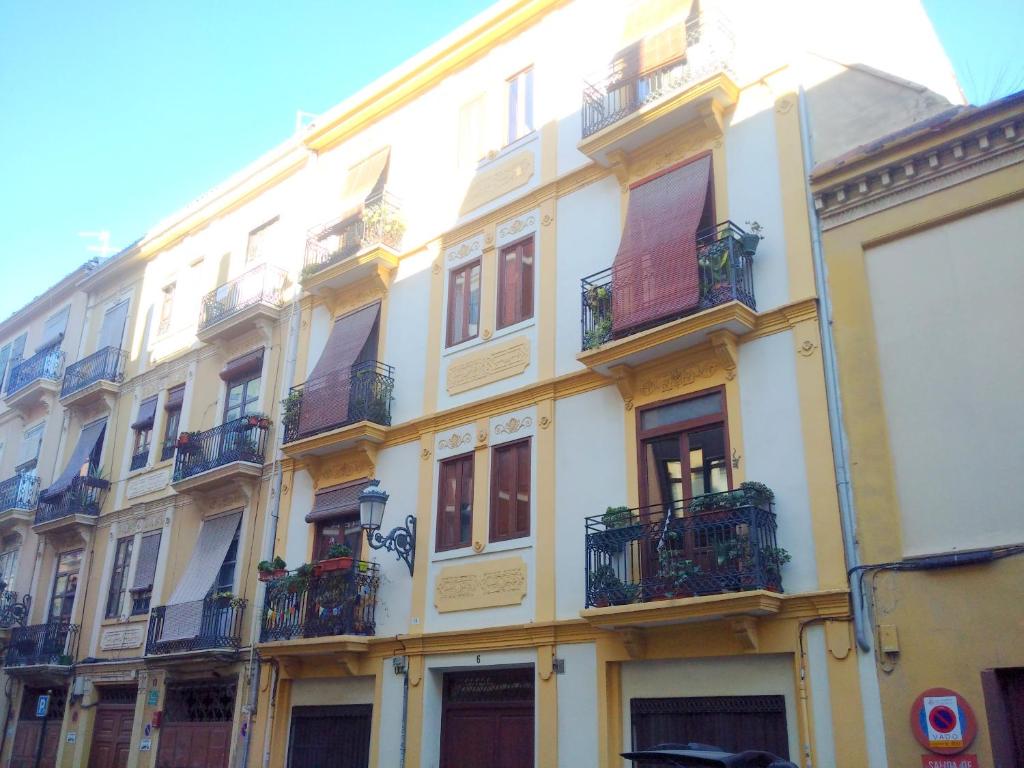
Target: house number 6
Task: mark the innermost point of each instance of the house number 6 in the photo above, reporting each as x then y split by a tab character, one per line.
478	658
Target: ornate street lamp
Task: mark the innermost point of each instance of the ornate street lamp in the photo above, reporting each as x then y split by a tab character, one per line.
401	540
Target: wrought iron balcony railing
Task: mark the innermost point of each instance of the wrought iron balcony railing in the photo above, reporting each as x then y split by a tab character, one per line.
220	627
83	497
723	542
341	602
51	643
380	223
46	364
725	272
19	492
340	398
106	364
13	612
617	94
243	439
262	285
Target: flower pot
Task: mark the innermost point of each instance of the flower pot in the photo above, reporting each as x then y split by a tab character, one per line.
266	575
332	564
749	242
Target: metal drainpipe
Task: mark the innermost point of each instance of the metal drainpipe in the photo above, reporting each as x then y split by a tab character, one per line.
840	450
270	530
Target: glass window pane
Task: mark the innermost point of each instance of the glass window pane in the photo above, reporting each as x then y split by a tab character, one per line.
685	410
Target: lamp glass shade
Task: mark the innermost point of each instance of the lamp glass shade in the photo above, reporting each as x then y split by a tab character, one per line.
371	507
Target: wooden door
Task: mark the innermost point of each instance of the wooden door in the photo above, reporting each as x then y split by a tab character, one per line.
330	737
194	745
26	741
112	736
488	719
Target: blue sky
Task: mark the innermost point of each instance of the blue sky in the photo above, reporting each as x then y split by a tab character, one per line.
113	115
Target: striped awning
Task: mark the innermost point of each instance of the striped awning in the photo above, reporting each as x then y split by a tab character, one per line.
336	500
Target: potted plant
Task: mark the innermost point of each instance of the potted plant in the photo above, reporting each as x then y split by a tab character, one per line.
260	420
773	558
292	406
280	567
383	224
757	494
265	568
677	573
606	588
221	599
339	557
599	333
188	442
750	240
619	529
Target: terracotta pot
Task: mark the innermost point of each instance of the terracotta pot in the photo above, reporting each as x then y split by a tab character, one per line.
333	564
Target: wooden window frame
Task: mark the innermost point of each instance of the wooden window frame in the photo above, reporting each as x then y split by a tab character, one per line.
525	303
465	297
252	255
119	577
72	578
242	381
517	446
440	545
519	125
320	547
172	423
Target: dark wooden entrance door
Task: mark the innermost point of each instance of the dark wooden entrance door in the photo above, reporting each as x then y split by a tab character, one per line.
196	730
112	736
330	737
487	719
26	737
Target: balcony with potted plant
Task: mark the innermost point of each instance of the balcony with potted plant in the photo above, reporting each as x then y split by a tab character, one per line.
231	452
240	305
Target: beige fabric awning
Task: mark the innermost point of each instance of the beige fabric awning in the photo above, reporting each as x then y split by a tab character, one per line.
336	500
91	435
184	612
146	415
149	553
175	398
365	181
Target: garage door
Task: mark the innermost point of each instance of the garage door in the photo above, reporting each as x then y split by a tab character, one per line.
112	728
196	729
30	728
734	723
487	719
330	737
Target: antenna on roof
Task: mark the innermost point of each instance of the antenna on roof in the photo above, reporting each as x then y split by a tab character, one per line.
103	247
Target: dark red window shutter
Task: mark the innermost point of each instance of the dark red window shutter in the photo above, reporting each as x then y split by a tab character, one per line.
510	491
463	303
515	283
455	503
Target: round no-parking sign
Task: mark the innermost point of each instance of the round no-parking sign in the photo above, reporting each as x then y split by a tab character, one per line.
942	721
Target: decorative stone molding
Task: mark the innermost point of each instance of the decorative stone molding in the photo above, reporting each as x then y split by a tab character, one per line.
504	177
488	365
513	425
151	482
480	585
454	441
676	378
464	251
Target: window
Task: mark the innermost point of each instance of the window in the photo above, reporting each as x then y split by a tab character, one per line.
143	429
243	393
471	133
5	358
55	326
520	105
343	529
119	577
261	242
455	503
515	283
145	572
167	308
9	561
65	584
510	491
172	420
464	303
225	581
683	447
30	446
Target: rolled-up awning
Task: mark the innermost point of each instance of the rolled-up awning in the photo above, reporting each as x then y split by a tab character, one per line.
249	363
90	436
175	397
336	500
655	273
325	394
149	553
184	612
146	415
365	181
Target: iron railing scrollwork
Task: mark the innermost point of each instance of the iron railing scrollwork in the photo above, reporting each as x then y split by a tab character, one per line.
84	496
13	612
106	364
378	223
19	492
339	602
220	627
242	439
725	270
716	543
709	50
52	643
337	399
46	364
262	285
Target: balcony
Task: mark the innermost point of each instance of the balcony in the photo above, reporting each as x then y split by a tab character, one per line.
51	644
18	498
339	409
79	504
704	558
341	602
625	108
242	304
220	628
93	378
33	379
725	276
350	249
230	452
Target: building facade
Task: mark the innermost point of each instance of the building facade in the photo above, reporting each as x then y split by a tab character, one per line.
914	230
567	322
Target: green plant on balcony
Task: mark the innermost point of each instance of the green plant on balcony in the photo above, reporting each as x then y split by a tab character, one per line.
676	572
292	408
309	270
773	559
599	333
189	442
382	223
617	517
606	588
598	299
757	494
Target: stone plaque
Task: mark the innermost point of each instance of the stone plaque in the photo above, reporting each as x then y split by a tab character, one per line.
118	638
480	585
151	482
500	179
495	362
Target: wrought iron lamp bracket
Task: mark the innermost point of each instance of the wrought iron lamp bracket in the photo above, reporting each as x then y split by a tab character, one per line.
401	540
